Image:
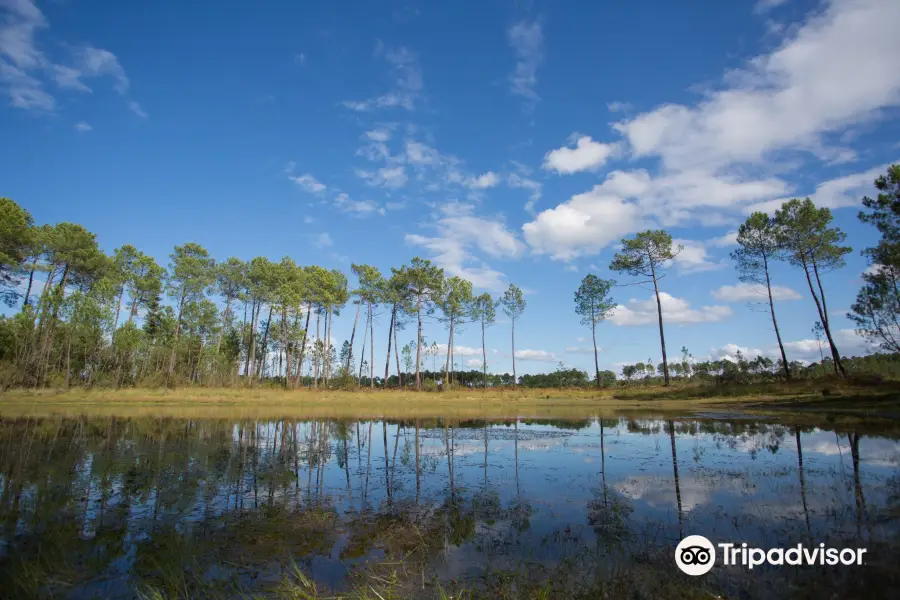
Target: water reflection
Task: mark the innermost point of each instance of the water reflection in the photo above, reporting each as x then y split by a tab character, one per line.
111	507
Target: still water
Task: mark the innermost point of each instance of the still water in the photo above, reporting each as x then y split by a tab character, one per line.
517	509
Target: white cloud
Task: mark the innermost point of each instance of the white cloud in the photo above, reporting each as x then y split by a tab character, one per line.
387	177
834	193
587	155
380	134
308	183
729	153
300	59
516	180
474	363
675	311
486	180
724	241
459	351
346	204
536	355
848	342
527	41
23	63
459	232
744	292
83	126
834	71
322	240
729	352
584	224
693	257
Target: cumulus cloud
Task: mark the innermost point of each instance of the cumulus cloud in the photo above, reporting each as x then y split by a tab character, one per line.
459	233
724	241
729	352
585	224
693	257
459	350
486	180
834	193
729	153
587	155
675	311
832	72
848	342
752	292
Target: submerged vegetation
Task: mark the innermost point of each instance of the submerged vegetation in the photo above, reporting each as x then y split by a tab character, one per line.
91	320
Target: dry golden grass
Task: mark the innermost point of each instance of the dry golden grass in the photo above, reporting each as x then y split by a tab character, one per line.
458	403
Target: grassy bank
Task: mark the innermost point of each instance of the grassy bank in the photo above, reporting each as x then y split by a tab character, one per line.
830	397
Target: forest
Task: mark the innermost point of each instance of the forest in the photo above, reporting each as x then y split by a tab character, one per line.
89	319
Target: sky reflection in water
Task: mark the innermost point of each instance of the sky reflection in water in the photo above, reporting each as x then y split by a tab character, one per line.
99	507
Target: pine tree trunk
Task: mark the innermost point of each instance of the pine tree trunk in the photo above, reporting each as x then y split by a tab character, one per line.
371	348
30	281
449	350
352	337
387	360
303	344
419	341
836	356
483	354
594	336
838	366
261	367
662	335
362	355
397	356
317	351
224	324
784	360
171	367
515	379
251	353
329	318
285	347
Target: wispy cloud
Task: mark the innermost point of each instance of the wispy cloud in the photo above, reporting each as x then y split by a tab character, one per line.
527	41
407	82
25	67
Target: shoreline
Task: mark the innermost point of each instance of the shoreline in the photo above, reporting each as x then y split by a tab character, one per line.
810	398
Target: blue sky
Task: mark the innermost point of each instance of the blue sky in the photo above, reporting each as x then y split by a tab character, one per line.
508	141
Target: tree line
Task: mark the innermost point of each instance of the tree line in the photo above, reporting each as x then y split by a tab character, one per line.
89	318
79	313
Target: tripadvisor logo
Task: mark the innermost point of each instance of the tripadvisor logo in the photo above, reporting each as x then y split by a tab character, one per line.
696	555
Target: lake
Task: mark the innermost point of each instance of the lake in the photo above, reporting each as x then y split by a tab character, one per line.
518	508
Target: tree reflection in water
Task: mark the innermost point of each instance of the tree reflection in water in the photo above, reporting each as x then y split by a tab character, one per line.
107	507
